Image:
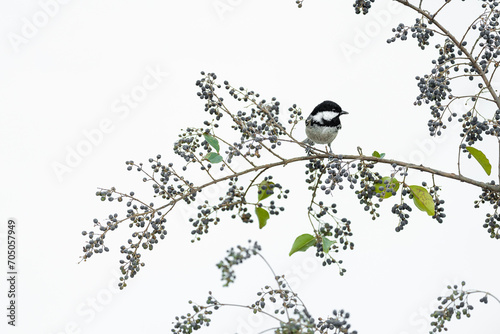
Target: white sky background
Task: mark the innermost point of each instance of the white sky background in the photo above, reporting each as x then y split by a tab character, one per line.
70	77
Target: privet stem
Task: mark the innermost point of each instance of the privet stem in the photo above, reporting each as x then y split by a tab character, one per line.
422	168
458	45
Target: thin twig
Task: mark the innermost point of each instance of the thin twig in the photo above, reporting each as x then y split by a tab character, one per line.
462	48
434	15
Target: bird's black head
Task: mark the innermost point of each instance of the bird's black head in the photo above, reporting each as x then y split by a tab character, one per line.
328	106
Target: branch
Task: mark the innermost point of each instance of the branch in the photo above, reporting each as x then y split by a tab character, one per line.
462	48
284	162
499	160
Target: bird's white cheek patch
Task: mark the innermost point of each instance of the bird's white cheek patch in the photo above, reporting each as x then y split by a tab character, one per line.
325	116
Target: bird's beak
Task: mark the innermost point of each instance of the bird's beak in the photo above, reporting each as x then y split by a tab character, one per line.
344	112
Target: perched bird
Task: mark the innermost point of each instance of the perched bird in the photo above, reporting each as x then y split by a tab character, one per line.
323	124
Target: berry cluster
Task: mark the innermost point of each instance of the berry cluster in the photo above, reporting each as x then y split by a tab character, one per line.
492	221
337	323
438	202
295	116
492	225
302	322
235	257
419	30
373	185
434	88
472	128
399	210
203	219
336	170
235	199
362	6
288	300
368	188
150	223
456	304
94	245
439	88
188	323
495	128
194	148
341	233
488	34
484	299
260	124
299	3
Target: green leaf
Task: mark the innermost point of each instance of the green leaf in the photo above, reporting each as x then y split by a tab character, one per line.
212	142
481	158
213	157
392	184
263	192
422	199
378	155
302	243
327	243
262	215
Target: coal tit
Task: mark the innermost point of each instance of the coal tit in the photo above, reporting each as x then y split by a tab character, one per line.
323	124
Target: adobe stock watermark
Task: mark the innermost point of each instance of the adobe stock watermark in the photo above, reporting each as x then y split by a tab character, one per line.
121	108
31	26
362	36
222	7
420	320
428	146
94	304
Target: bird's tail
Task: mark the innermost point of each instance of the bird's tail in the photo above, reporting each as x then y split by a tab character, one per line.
308	141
